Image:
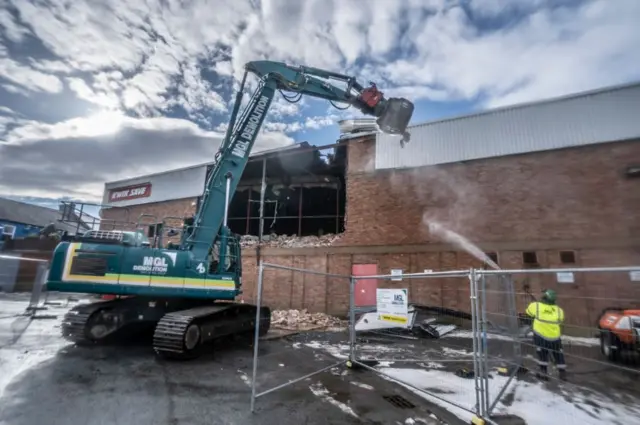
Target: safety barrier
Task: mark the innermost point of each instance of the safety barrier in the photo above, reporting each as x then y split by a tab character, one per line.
420	348
272	363
464	337
9	267
508	348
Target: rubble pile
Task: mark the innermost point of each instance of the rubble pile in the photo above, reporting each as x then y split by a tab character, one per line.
303	320
289	241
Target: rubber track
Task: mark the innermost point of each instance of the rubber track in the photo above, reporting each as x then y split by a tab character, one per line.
74	324
168	337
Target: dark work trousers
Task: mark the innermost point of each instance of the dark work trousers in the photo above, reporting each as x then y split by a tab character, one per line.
543	346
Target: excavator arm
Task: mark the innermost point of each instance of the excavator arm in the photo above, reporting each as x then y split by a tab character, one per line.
210	221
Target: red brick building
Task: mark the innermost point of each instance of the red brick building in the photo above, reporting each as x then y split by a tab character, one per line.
548	184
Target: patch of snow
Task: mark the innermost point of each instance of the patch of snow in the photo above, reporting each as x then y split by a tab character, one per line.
319	390
385	364
432	365
245	378
570	340
361	385
453	352
341	351
26	343
577	340
281	365
409	421
297	345
533	402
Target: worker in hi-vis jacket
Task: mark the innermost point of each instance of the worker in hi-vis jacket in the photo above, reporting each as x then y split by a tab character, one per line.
547	335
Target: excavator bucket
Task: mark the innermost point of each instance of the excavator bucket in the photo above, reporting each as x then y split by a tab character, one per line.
395	116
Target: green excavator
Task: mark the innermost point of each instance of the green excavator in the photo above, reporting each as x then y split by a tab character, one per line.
186	292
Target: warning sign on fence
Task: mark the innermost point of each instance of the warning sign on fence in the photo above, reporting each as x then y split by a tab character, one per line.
392	305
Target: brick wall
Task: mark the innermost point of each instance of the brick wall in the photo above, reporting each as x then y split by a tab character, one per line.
574	199
127	218
573	193
583	300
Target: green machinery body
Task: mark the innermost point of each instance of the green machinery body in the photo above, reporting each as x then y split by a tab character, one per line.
123	269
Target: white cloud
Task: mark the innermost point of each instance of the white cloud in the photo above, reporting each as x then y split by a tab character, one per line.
150	57
28	78
106	99
75	157
10	28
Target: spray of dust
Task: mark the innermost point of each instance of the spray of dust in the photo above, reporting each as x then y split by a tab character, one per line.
458	240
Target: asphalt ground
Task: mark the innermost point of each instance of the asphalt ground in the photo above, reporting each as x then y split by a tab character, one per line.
44	380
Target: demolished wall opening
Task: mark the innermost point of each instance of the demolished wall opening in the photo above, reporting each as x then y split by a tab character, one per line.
304	194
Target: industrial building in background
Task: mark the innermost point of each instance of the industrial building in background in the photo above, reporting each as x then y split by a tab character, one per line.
554	183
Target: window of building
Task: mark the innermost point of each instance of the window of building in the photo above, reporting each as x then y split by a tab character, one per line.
567	257
530	258
304	195
9	230
154	230
493	256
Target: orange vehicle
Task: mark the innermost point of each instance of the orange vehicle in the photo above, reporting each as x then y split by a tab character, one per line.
619	331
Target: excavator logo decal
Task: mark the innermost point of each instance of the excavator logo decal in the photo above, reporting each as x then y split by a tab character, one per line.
156	264
242	143
200	269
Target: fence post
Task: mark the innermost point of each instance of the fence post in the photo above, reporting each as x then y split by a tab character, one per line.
352	319
38	284
484	346
474	339
257	336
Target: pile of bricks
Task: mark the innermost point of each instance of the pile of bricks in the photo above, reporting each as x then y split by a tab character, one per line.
286	241
303	320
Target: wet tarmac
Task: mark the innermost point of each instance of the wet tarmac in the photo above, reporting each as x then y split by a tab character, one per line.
44	380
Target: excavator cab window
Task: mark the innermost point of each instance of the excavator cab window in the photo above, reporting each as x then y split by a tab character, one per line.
215	258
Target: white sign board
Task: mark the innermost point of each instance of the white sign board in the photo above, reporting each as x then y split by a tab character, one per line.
634	276
393	306
396	272
565	277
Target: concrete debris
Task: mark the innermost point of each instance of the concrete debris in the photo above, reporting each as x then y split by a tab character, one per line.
303	320
289	241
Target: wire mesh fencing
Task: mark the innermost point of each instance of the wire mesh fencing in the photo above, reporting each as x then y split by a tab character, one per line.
303	341
419	333
23	278
593	352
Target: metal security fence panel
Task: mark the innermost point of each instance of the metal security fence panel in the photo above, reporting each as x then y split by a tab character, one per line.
498	336
301	341
422	342
577	333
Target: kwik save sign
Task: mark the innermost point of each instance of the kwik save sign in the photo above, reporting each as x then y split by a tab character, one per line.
142	190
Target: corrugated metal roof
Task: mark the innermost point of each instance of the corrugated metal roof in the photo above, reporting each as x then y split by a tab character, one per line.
34	215
599	116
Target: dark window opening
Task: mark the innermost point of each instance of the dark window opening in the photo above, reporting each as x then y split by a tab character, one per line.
530	258
567	257
154	230
493	256
304	195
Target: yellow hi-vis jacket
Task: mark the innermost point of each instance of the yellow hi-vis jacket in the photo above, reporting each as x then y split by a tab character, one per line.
546	320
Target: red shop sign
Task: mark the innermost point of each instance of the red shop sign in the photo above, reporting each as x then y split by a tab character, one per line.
130	192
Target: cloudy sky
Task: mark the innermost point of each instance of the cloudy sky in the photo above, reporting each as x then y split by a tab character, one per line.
99	90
